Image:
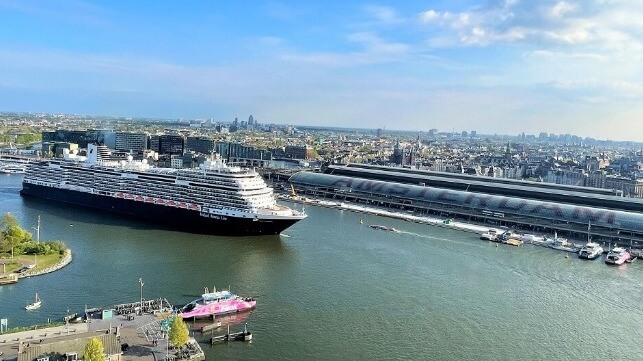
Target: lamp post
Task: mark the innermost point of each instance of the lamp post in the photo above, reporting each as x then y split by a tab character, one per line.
140	280
37	228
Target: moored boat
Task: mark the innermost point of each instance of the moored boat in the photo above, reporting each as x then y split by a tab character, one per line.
533	239
35	305
563	244
489	235
591	250
217	303
10	169
513	242
214	199
618	256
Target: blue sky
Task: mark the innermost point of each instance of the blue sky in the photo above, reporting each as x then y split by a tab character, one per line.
492	66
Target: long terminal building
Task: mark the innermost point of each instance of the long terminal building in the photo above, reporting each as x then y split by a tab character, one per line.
528	206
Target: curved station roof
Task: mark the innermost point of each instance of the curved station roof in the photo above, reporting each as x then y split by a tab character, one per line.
581	196
417	194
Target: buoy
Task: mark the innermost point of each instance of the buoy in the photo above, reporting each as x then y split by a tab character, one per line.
566	256
496	244
361	221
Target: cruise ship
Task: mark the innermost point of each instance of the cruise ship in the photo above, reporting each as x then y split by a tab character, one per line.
213	199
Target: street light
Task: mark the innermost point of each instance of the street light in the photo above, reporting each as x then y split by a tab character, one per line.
37	228
140	280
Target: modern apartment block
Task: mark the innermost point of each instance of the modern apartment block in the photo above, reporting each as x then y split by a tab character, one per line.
131	141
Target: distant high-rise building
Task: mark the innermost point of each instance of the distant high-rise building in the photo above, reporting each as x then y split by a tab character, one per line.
299	152
130	141
473	134
200	145
464	134
251	120
379	132
167	143
236	153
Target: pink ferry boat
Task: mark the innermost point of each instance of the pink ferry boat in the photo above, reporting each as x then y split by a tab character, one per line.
618	256
217	303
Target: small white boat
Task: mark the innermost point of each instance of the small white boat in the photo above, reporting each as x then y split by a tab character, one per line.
532	239
562	244
489	235
35	305
591	250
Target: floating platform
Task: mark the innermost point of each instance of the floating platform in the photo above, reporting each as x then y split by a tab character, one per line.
211	326
245	335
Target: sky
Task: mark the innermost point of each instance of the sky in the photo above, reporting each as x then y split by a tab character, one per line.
502	67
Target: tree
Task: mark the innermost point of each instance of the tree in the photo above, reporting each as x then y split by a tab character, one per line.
8	221
179	333
13	234
94	350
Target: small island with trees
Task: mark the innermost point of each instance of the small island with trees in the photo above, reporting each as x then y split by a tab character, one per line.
22	256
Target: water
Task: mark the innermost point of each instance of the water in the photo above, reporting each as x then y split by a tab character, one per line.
332	288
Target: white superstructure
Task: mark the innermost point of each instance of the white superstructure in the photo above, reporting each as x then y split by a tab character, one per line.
215	190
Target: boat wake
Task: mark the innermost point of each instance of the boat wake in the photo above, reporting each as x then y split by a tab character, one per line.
426	236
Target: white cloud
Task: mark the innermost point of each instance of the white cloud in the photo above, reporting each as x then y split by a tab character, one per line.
375	44
606	25
429	16
383	14
561	8
558	56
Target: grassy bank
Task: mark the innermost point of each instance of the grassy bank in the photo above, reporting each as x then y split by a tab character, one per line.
41	261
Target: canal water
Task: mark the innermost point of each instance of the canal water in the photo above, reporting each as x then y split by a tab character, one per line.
331	288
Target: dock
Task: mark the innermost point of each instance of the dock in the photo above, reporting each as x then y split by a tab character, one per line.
211	326
244	335
9	279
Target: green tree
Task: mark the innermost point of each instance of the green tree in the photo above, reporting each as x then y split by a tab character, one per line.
8	221
12	234
94	350
179	333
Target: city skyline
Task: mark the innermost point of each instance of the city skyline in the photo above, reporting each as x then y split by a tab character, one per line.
494	67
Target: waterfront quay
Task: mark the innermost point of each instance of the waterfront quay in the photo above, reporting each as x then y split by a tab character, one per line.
530	212
125	336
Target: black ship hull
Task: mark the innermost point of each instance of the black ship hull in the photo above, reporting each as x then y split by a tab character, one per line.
175	218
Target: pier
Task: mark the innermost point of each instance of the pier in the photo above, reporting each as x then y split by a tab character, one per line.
244	335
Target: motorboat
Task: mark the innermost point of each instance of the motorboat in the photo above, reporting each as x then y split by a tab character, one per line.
591	250
509	237
383	228
533	239
11	169
563	244
489	235
35	305
618	256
